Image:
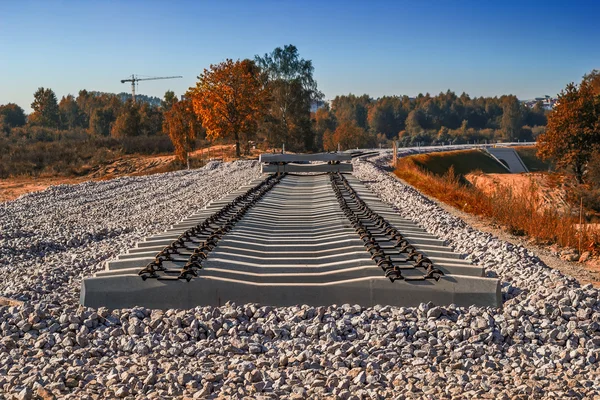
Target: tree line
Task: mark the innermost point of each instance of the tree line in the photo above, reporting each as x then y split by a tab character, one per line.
101	114
273	101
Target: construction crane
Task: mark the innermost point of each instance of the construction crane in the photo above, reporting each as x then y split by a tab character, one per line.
134	79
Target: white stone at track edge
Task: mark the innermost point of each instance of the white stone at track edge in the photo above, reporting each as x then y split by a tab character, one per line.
544	342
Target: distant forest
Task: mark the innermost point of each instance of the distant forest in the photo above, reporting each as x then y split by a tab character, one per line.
426	119
140	98
352	121
286	109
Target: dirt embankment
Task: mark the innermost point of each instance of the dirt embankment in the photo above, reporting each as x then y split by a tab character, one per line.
11	188
543	187
548	192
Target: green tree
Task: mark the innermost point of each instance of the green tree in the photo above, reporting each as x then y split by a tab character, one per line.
128	122
292	89
45	108
13	115
387	116
85	101
70	114
169	100
536	116
101	121
512	118
151	120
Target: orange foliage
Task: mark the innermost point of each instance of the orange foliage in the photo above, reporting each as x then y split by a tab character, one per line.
182	126
230	99
573	130
520	213
349	136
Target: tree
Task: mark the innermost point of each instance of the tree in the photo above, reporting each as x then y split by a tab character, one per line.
229	98
573	130
413	122
70	114
13	115
387	116
4	128
329	143
45	108
512	118
127	123
292	89
101	121
182	126
443	135
323	121
536	116
169	100
593	79
350	136
352	108
151	120
464	127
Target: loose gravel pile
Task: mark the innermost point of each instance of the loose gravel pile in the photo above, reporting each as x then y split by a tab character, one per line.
49	240
544	342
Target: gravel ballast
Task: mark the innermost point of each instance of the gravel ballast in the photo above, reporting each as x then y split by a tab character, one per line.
544	342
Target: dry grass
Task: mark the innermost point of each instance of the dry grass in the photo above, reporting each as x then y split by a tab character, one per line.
520	213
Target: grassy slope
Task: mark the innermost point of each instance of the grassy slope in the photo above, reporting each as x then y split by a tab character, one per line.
529	157
464	162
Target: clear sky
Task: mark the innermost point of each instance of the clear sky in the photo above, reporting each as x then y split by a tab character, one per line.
377	47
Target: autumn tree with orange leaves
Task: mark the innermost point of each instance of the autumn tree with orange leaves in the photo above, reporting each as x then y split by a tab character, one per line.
349	136
573	131
229	98
182	126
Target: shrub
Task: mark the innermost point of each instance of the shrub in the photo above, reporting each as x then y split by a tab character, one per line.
520	213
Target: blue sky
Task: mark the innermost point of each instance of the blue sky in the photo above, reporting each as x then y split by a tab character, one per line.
376	47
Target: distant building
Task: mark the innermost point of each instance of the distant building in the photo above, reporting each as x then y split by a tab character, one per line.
547	102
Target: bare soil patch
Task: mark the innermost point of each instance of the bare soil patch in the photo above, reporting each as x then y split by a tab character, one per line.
134	165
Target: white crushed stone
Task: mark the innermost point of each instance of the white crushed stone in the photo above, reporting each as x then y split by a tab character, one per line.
544	342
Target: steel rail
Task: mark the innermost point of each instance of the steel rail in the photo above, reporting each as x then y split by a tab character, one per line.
196	242
358	212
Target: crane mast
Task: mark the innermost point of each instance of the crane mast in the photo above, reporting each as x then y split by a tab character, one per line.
134	79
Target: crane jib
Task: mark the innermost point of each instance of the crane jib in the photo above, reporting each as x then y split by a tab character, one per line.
135	79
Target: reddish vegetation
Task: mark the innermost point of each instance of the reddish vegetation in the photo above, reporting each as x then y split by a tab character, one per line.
521	212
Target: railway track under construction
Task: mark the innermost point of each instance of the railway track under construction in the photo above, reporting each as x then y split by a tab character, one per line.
300	234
